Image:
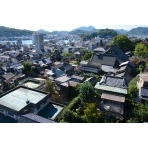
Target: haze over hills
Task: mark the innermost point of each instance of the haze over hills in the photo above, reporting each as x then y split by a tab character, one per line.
121	31
11	32
139	31
84	28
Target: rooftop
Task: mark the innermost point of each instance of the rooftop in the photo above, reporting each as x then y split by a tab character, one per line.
110	88
113	107
144	76
113	97
143	92
113	81
31	84
62	79
16	99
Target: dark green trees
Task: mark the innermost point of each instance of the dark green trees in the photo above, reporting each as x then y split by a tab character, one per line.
141	51
123	42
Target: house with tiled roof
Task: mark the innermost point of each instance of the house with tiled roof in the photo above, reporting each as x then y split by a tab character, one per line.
105	61
114	91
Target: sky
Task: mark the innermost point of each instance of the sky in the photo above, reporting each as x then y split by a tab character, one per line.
53	15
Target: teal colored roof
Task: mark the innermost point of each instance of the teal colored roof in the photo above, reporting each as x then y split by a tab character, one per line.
111	88
16	100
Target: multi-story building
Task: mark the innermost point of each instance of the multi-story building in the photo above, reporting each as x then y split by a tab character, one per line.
38	41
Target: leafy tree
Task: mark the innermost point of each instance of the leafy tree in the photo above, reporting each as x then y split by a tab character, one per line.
132	88
141	50
92	115
139	113
123	42
86	92
66	54
71	117
49	86
27	68
87	55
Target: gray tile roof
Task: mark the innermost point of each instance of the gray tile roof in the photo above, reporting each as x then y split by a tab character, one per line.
99	60
114	81
67	67
111	89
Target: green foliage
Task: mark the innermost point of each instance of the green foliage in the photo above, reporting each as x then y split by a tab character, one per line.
139	113
103	33
49	86
141	51
92	115
74	103
66	54
87	55
27	68
71	106
132	88
71	117
86	92
123	42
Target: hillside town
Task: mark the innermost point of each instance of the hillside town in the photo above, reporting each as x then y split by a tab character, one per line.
74	78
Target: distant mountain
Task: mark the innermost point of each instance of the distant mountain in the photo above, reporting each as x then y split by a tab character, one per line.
42	31
121	31
78	32
139	31
89	28
58	33
11	32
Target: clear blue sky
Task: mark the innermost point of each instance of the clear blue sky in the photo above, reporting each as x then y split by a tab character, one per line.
69	14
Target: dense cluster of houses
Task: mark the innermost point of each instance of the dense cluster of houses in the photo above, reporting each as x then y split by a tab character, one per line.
110	62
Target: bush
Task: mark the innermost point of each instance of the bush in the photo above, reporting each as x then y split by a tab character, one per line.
71	117
74	103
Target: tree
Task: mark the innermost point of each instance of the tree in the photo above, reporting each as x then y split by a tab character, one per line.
132	88
71	117
92	115
49	86
27	68
66	54
86	92
123	42
141	51
87	55
139	113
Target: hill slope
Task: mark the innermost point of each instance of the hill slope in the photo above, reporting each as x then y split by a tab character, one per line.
11	32
139	31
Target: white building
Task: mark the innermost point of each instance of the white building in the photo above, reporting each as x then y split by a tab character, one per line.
38	41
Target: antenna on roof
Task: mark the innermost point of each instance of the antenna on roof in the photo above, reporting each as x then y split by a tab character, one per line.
27	101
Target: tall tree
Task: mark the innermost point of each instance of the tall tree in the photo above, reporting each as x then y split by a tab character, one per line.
141	51
123	42
132	88
86	92
92	115
87	55
27	68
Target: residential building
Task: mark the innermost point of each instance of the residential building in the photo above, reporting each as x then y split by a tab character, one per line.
22	100
114	91
142	85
